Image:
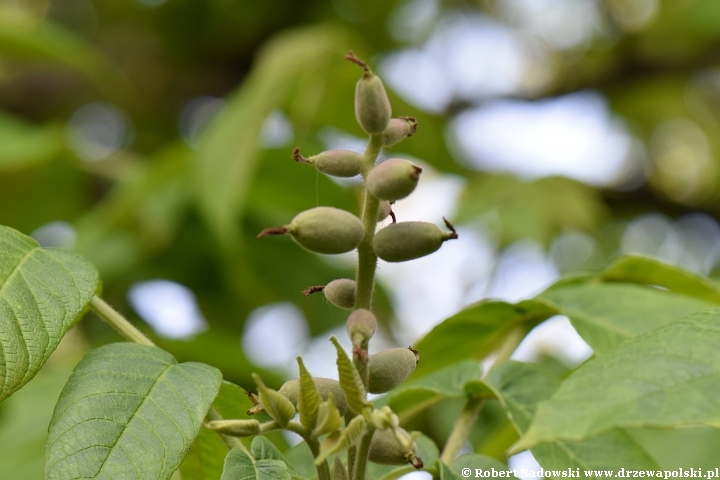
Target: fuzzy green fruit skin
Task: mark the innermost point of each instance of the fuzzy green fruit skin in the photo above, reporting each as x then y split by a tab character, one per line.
399	129
384	210
393	179
386	450
389	368
361	326
338	163
327	230
372	106
325	386
341	293
403	241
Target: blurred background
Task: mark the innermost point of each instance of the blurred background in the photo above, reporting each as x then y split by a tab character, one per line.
154	138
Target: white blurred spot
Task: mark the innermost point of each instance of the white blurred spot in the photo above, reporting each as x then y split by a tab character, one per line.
416	476
195	115
291	438
524	461
573	135
97	130
169	308
418	78
413	19
555	337
55	234
522	270
274	334
573	251
277	131
635	15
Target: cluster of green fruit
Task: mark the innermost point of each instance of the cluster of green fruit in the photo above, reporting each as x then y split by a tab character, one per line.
329	230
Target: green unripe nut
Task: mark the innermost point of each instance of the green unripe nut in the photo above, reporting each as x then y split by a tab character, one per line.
384	210
325	386
341	293
361	326
393	179
386	450
323	230
399	129
338	163
403	241
372	106
390	368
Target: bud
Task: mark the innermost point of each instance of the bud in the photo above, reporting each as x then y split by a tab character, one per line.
325	386
399	129
393	179
361	326
323	230
385	210
372	106
385	448
341	293
338	163
403	241
235	428
390	368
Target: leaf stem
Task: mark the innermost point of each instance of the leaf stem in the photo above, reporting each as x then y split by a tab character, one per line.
118	322
461	430
514	338
361	458
367	260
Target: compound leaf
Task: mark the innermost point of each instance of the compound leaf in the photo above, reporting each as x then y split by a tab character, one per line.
128	411
239	466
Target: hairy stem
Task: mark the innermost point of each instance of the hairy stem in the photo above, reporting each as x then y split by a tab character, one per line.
118	322
230	441
323	470
361	458
461	430
367	260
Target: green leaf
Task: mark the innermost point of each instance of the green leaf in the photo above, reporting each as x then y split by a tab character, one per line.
605	315
350	380
539	209
416	395
42	293
474	461
328	417
639	269
521	386
348	438
669	377
205	458
475	332
128	411
239	466
308	397
276	404
230	146
263	449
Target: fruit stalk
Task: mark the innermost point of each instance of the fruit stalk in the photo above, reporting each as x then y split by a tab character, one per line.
461	430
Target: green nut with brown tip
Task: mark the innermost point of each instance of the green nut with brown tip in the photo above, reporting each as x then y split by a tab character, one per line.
389	368
385	449
393	179
326	230
403	241
372	106
361	326
325	386
341	293
338	163
399	129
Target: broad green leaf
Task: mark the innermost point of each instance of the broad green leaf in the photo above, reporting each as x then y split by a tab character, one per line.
308	398
669	377
22	144
230	146
521	386
239	466
205	458
605	315
416	395
128	411
263	449
673	448
232	401
350	380
539	209
473	462
639	269
42	292
475	332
